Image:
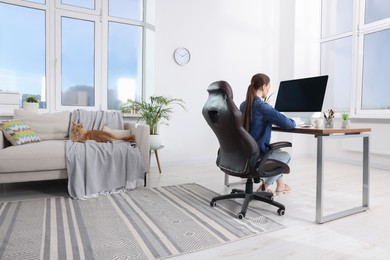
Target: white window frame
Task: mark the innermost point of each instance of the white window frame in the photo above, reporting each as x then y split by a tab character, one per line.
359	30
98	57
54	10
359	112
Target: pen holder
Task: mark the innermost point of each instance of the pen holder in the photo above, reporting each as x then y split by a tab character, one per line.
329	123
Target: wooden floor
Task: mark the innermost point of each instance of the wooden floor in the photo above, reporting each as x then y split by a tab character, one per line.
361	236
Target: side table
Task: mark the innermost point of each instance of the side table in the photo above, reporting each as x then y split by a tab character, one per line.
155	150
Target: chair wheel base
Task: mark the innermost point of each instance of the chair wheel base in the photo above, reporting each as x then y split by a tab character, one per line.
241	215
281	212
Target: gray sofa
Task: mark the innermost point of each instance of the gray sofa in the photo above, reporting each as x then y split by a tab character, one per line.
45	160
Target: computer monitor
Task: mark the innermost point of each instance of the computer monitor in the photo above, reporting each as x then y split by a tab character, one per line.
301	99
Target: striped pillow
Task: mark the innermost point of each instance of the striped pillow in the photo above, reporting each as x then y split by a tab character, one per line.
18	133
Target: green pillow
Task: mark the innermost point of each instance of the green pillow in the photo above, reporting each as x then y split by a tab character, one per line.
18	133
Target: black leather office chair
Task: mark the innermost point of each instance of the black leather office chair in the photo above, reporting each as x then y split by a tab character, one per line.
239	153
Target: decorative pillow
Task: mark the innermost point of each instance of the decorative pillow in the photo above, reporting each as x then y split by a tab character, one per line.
117	133
18	133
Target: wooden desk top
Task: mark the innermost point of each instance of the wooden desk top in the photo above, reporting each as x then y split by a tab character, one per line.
322	131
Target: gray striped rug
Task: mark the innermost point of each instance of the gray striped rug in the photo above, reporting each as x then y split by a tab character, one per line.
139	224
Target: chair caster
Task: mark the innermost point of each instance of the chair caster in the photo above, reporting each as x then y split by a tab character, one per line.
213	203
235	191
241	215
281	212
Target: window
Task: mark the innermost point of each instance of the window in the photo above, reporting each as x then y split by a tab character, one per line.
77	62
376	77
23	70
336	61
70	53
124	60
354	52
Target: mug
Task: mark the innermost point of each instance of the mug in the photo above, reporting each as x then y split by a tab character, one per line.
317	122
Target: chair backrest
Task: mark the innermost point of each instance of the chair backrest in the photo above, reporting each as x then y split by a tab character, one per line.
238	152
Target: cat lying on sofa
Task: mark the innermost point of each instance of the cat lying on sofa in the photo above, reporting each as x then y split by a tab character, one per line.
80	134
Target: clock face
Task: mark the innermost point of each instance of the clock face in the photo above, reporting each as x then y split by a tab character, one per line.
182	56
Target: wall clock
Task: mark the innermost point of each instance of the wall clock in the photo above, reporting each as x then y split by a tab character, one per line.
182	56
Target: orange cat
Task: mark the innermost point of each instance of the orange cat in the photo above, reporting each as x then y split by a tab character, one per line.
80	134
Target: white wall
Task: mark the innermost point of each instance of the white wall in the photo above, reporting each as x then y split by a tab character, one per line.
229	40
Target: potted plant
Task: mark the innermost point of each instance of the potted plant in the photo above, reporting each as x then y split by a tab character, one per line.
346	121
154	112
31	103
267	99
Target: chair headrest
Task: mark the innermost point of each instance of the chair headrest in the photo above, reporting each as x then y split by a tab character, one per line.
221	86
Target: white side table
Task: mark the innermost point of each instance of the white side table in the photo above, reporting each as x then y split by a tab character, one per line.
155	150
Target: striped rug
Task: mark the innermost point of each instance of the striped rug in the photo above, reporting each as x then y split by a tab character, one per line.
140	224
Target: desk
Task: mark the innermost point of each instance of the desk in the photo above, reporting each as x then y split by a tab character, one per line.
326	133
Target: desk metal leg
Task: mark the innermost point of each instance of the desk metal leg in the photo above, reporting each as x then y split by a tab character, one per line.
320	179
227	183
320	218
366	171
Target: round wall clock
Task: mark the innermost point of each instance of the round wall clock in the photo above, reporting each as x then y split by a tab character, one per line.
182	56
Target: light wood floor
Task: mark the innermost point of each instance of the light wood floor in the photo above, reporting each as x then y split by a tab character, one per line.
362	236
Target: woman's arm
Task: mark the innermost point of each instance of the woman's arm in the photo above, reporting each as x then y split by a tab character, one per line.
277	118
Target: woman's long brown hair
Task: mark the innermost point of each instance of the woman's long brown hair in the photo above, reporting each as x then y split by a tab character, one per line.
257	82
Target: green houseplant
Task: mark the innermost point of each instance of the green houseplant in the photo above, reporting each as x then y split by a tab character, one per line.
346	122
267	99
31	103
156	111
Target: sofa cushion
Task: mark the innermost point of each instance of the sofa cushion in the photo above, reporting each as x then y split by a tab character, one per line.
18	133
46	155
49	126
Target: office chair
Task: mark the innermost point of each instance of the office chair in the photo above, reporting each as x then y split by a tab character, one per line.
239	154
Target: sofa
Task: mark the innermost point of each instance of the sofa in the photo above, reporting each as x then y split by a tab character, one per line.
45	160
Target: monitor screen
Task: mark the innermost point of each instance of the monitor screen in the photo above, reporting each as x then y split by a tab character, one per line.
301	95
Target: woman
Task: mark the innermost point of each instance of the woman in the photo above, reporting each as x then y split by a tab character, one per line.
259	117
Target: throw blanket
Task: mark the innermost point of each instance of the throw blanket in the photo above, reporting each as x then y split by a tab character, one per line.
101	168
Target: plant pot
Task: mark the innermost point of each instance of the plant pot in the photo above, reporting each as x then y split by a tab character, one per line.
345	124
155	142
31	107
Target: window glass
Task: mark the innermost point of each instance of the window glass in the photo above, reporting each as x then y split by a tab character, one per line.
130	9
124	64
336	61
376	10
376	77
78	62
337	17
21	69
90	4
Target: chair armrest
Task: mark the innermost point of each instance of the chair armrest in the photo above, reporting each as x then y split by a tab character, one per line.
279	145
270	167
142	138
